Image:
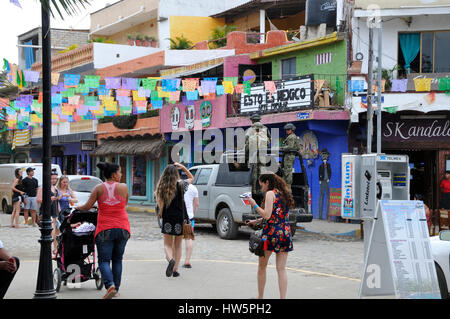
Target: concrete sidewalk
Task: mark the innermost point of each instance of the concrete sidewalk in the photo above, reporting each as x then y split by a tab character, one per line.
213	278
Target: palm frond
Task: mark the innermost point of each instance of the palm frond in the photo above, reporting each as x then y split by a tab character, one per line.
70	7
180	43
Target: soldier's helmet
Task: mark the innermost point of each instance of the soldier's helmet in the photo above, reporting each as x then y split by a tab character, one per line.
289	126
255	117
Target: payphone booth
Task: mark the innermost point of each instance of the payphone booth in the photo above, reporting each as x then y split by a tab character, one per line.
369	178
382	177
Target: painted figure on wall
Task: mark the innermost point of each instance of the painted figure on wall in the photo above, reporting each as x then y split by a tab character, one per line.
324	181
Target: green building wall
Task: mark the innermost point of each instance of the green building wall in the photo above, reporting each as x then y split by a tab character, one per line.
335	72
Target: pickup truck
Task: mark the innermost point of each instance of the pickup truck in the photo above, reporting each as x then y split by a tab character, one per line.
220	186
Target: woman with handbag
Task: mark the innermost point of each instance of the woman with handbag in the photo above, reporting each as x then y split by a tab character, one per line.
276	233
170	199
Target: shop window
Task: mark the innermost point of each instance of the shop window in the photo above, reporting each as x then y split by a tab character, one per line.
447	163
139	176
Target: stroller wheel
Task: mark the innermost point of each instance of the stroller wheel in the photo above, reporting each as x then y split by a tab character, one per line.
98	279
57	279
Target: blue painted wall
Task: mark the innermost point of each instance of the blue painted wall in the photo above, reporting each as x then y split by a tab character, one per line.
331	135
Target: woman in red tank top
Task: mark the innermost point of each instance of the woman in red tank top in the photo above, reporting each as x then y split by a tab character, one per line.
113	226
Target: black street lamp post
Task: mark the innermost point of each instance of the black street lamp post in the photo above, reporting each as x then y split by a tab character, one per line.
45	288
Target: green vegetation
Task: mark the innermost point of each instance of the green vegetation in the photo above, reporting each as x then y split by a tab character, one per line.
180	43
219	36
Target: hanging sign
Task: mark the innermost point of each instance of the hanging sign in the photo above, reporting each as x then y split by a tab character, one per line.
288	96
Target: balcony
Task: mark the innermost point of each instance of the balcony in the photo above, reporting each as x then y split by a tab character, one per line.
70	60
95	56
127	16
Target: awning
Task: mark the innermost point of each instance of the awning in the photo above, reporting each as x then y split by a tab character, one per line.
152	147
193	68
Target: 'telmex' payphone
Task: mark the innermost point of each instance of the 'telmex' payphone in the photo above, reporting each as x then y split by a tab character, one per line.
369	178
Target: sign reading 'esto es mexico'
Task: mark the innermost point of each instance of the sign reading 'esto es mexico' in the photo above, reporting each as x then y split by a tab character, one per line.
296	94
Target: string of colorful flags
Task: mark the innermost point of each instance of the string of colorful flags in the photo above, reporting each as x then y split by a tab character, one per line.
400	85
76	98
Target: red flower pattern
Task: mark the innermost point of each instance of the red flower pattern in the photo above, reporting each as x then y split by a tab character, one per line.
277	230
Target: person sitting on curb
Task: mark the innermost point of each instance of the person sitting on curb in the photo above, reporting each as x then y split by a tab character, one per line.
8	269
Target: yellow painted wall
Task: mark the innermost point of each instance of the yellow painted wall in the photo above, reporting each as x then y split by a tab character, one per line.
195	29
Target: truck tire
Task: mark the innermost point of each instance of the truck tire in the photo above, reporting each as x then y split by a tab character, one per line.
442	283
5	208
226	227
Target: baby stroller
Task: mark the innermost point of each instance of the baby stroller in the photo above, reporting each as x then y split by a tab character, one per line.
75	258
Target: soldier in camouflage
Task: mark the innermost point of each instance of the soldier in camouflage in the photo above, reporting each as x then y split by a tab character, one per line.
257	138
290	143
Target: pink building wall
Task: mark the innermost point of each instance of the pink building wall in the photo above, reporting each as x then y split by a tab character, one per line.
219	114
231	64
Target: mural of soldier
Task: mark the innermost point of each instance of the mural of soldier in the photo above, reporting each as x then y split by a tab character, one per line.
324	181
290	143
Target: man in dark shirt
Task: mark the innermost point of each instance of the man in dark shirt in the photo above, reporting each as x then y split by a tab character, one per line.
30	185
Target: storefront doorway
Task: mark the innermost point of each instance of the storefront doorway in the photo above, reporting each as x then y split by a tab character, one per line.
71	165
424	174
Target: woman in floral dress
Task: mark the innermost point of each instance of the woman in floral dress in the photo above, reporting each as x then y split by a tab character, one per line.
277	231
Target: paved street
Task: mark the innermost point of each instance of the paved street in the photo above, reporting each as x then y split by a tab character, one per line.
321	266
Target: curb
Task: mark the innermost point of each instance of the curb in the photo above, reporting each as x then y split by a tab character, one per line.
354	233
134	209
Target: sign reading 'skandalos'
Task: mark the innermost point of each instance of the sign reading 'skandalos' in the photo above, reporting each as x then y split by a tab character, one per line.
417	130
296	94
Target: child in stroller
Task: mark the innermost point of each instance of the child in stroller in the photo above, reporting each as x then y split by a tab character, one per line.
76	247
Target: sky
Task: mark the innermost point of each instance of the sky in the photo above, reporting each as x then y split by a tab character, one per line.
19	21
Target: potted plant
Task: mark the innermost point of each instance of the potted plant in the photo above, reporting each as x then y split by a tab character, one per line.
131	40
146	42
139	40
153	42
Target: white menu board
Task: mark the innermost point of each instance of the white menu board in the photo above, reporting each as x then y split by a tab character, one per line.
400	241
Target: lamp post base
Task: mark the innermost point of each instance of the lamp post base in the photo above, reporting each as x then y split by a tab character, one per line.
45	288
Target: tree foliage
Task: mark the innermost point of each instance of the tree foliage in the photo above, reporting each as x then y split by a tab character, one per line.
219	35
70	7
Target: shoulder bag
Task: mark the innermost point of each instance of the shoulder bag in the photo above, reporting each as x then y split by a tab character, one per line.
188	232
256	242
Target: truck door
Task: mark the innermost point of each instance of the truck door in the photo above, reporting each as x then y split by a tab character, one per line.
202	184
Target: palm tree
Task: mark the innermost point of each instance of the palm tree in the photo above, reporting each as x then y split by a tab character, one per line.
69	6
